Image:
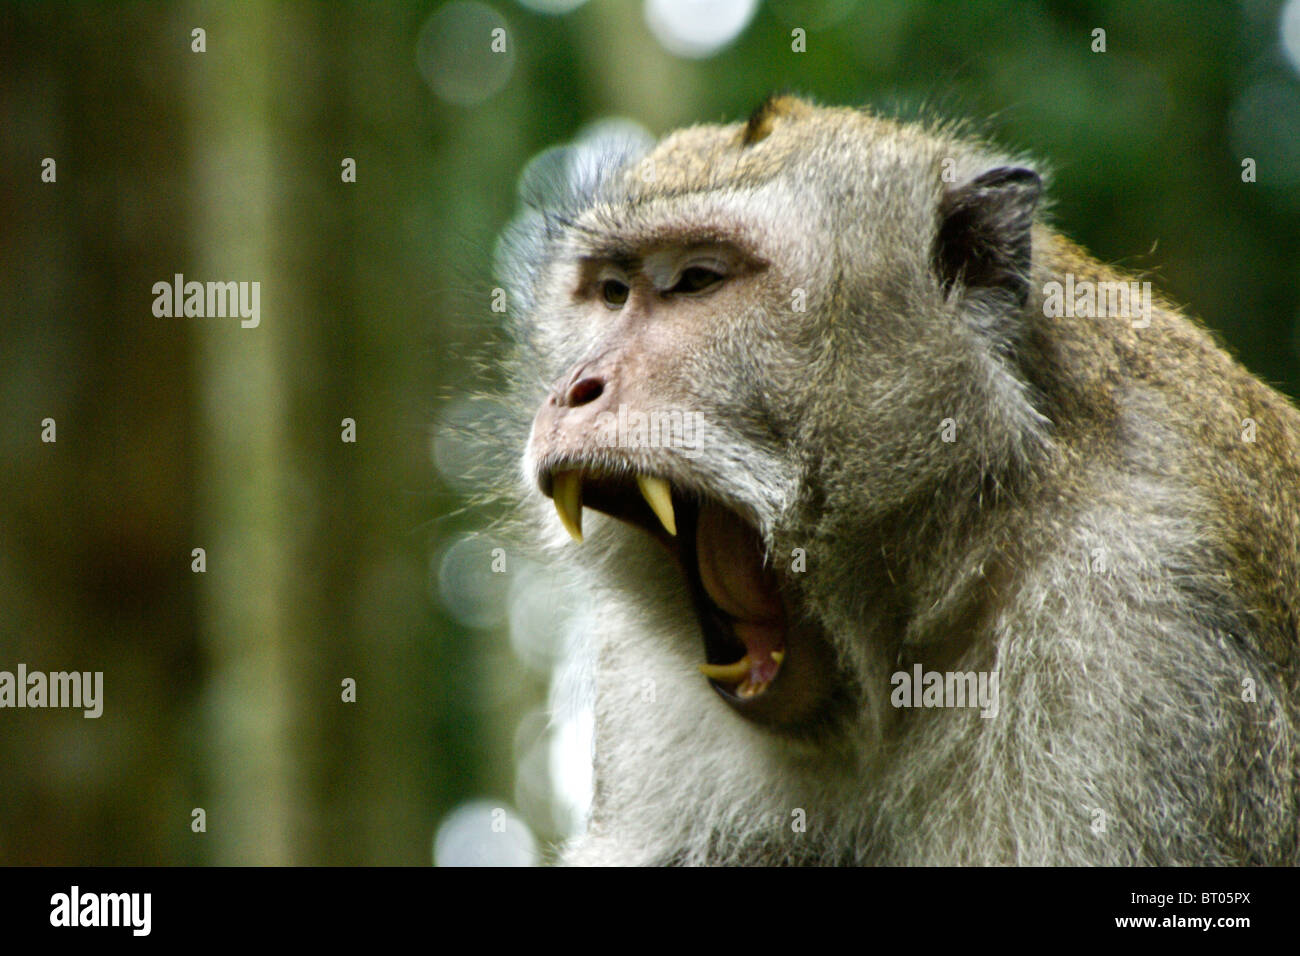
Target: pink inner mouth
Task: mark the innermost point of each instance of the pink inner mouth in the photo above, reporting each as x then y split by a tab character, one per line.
734	576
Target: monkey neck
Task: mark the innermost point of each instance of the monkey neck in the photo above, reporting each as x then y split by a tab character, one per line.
954	576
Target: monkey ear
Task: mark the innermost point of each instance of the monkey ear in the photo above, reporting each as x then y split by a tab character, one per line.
984	232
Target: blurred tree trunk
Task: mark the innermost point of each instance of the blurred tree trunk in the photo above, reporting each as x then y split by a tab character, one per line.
314	573
247	473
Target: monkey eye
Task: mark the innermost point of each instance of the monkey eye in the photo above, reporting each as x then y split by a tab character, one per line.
696	279
614	292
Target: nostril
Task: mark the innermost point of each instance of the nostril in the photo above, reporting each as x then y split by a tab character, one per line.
583	391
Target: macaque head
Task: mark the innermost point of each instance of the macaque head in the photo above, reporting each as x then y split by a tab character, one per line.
749	338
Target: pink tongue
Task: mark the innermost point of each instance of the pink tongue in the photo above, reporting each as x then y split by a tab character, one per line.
731	569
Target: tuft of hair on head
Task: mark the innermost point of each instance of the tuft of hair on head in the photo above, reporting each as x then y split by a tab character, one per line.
763	120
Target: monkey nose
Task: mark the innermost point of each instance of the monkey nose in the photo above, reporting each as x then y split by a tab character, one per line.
584	390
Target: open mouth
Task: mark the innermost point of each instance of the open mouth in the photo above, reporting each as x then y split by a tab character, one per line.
737	595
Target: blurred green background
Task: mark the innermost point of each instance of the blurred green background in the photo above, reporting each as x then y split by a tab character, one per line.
327	559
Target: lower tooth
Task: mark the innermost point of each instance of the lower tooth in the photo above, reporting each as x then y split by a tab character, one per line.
727	672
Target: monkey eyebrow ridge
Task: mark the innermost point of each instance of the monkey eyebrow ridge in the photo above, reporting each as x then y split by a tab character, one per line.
629	252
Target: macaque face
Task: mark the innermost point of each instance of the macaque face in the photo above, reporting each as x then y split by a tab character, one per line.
664	406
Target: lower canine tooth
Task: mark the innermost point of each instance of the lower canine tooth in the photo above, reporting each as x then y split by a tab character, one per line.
566	490
660	498
727	672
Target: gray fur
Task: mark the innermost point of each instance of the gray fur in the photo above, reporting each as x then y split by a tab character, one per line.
1121	688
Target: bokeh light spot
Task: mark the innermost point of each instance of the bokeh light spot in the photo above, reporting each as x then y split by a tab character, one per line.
571	769
465	52
481	833
1289	24
541	604
553	7
698	28
472	592
1264	124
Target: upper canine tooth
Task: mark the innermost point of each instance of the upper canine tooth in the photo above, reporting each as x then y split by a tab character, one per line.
659	496
566	490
